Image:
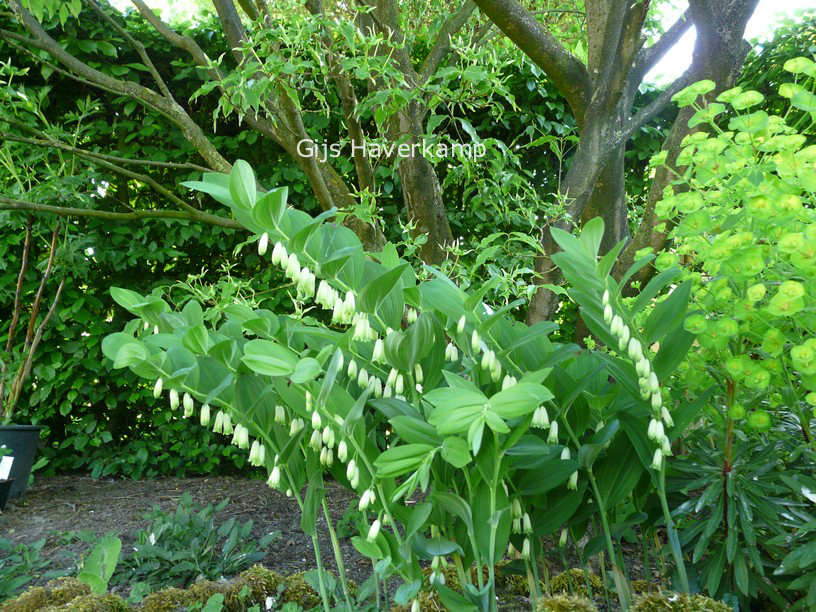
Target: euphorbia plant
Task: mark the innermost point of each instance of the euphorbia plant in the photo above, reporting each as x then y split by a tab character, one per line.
744	225
461	430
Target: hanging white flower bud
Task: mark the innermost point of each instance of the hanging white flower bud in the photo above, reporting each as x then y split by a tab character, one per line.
187	401
329	457
635	350
516	527
541	420
562	540
174	399
565	454
373	531
157	389
342	451
316	420
338	314
253	453
227	424
399	385
263	244
572	483
419	376
155	329
274	479
625	335
415	606
651	432
323	452
218	426
205	415
608	315
377	386
379	351
654	385
515	508
657	460
349	305
362	378
664	413
525	548
528	524
496	370
657	401
316	440
460	326
605	298
328	436
665	446
392	377
352	369
552	438
279	254
280	414
617	325
351	468
475	342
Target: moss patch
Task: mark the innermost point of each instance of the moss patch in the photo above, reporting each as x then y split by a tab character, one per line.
565	603
92	603
678	602
55	593
561	583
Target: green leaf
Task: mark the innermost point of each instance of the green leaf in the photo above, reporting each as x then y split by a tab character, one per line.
306	369
268	357
269	210
242	185
455	451
401	459
519	400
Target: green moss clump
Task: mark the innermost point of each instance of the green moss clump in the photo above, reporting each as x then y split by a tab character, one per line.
565	603
297	590
92	603
34	598
678	602
261	584
258	581
55	593
644	586
561	583
166	600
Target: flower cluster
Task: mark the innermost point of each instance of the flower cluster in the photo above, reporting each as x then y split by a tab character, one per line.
629	345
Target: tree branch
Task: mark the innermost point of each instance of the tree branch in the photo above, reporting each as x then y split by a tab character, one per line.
566	71
442	43
648	57
35	308
101	160
649	112
139	47
65	211
166	107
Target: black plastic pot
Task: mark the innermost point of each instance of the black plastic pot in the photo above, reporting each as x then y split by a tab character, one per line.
22	440
5	489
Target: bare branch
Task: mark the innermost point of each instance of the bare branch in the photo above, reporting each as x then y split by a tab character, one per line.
65	211
648	57
442	43
652	110
567	72
15	317
35	308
